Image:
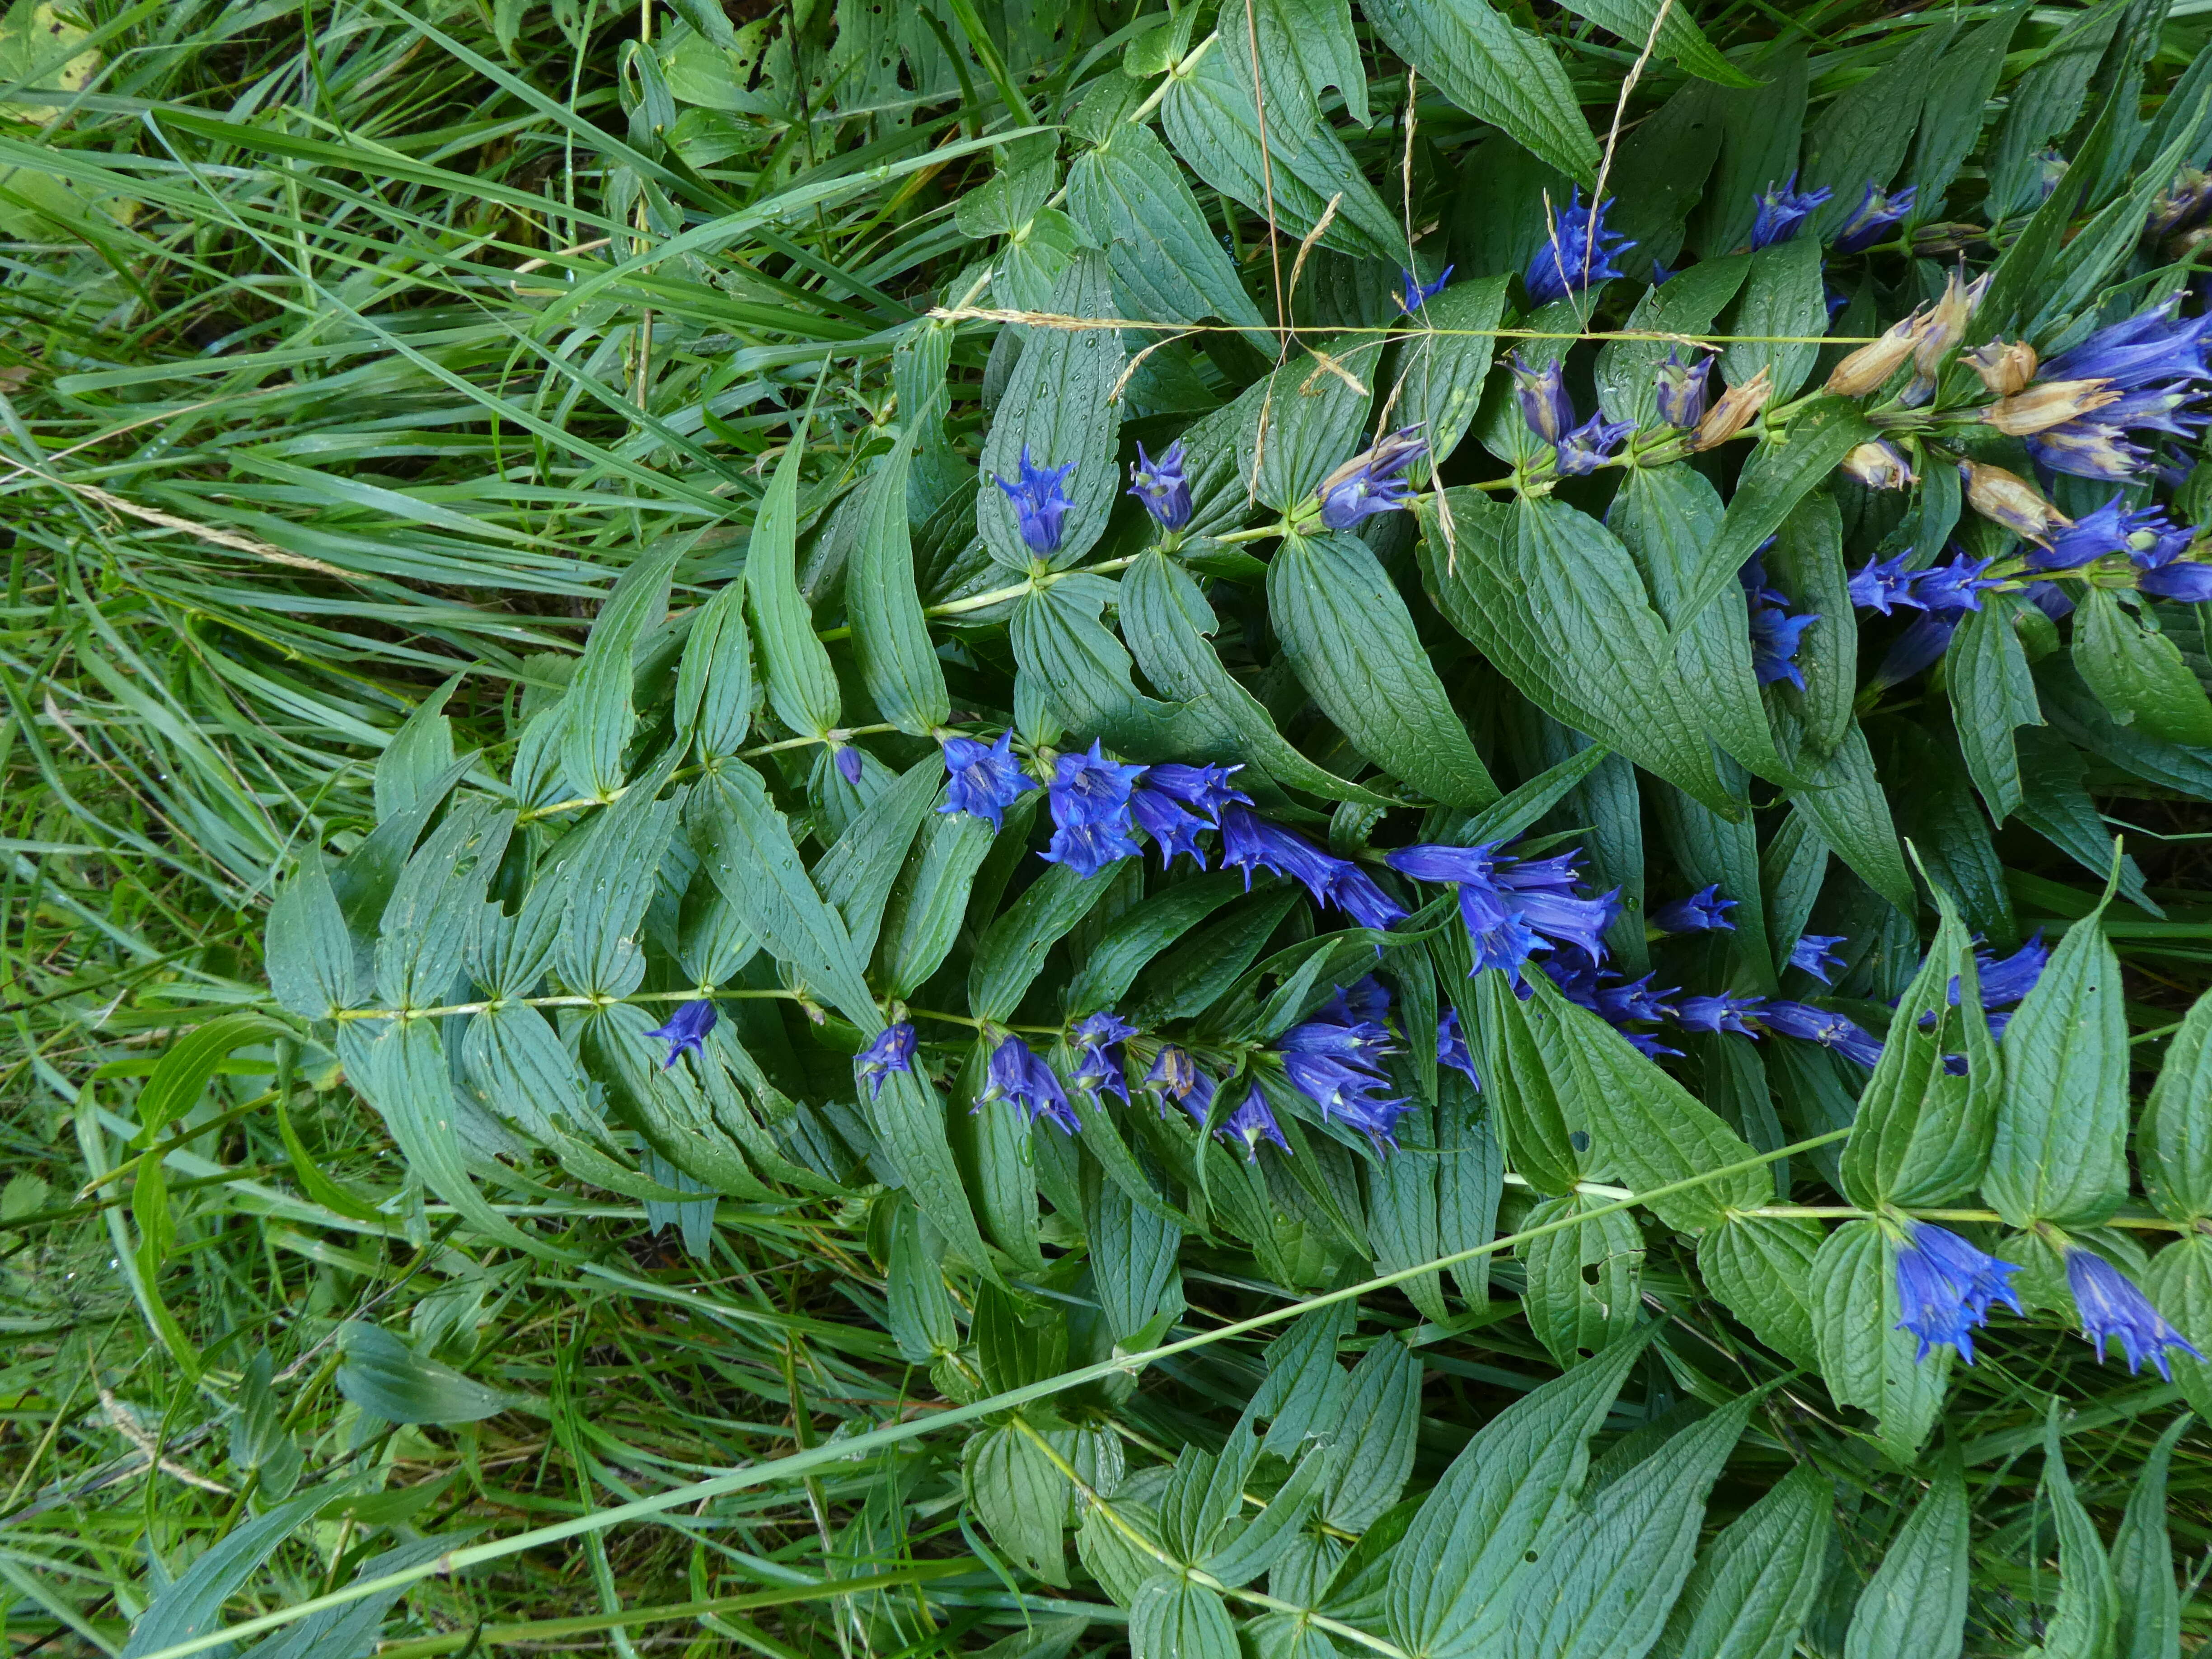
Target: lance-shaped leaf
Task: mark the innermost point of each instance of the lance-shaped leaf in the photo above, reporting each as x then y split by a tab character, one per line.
1867	1360
898	664
802	686
1915	1602
1468	50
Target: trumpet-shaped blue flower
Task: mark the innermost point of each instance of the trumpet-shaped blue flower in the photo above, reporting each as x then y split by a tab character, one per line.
1775	632
1816	954
1350	1040
1590	445
1830	1031
1452	1049
1346	1094
1637	999
983	779
1871	219
1682	389
1097	1039
1172	826
1204	789
1369	482
1360	897
1702	911
1015	1073
1416	293
1577	251
1957	586
1726	1012
1252	1122
1542	395
1040	500
2005	981
2164	572
1511	906
1175	1077
891	1051
2151	348
1365	1000
1088	788
686	1029
1087	849
1884	584
1783	210
2111	1306
1945	1287
2108	529
1249	843
1918	647
1161	486
848	763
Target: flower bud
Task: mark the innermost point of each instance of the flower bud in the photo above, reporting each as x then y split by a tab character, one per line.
1878	465
2182	202
2007	499
1739	406
1542	395
2042	407
2005	369
1865	370
1681	390
1941	334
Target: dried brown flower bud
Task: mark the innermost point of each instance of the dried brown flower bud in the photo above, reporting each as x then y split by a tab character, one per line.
1878	465
2053	403
1738	407
2005	369
1940	335
2007	499
1865	370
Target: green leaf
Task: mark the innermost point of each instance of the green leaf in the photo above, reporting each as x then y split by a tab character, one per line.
1505	1497
600	718
1141	933
1375	1453
802	686
924	1321
353	1627
908	1119
1189	979
1606	1585
715	695
2149	1605
898	664
1313	419
1641	1124
666	1107
1210	116
1517	1081
1468	1187
1991	693
992	1143
1555	603
605	883
2179	1283
1021	1499
1915	1602
1753	1587
1922	1136
2173	1142
1011	951
2055	803
1783	298
420	750
1167	621
2138	675
1806	563
1133	1255
1680	38
1130	197
746	846
1762	1267
1176	1619
2086	1607
858	874
1867	1360
1958	93
1845	802
192	1605
1469	52
1784	468
1442	368
385	1377
1318	34
1862	137
188	1065
1349	635
930	898
308	949
1585	1282
2060	1148
1276	1530
1761	128
422	937
1070	663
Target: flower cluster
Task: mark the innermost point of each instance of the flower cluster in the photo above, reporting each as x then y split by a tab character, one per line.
1249	843
1334	1060
1040	500
1577	251
1952	589
2143	372
1782	211
1370	482
1550	413
1514	907
1776	630
1946	1288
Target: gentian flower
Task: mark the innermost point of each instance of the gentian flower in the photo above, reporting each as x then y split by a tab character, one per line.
1938	335
1174	829
1589	445
1088	788
1945	1287
1171	803
1577	251
1040	499
2148	349
847	760
983	779
1365	1001
1871	219
1872	364
1782	210
1350	1040
1252	1122
1634	1000
2108	529
1681	389
1087	849
1015	1073
2111	1306
687	1027
2165	574
1176	1076
1775	632
1096	1069
1205	789
1954	586
1542	395
1346	1093
1452	1049
1356	893
1830	1031
1878	465
891	1051
1884	584
1249	843
1703	911
1725	1012
2155	362
1417	293
1161	486
2006	367
1511	906
1918	647
1369	482
2006	982
2180	205
1816	954
1659	275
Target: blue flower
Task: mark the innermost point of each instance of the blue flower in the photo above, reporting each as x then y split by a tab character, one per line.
1365	1000
1511	906
848	763
1451	1047
1417	293
1176	1076
1635	1001
1040	501
1249	843
2107	529
2089	449
891	1051
687	1027
1782	210
1092	789
2163	572
983	779
2111	1306
1726	1012
1346	1093
1957	586
1087	849
1871	219
1945	1287
1884	584
1205	789
1353	1039
1096	1068
1369	482
1577	251
1252	1122
1816	954
1918	647
1659	275
1174	829
2148	349
1542	395
1161	486
1682	389
2005	981
1357	894
1590	445
1703	912
1830	1031
1775	632
1015	1073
